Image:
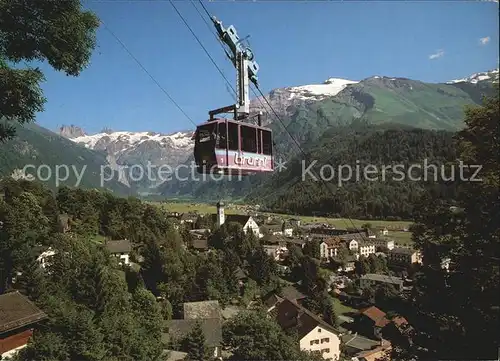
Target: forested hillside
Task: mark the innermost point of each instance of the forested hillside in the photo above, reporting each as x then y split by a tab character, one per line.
381	193
35	146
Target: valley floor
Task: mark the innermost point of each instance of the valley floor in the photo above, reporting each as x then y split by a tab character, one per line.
396	226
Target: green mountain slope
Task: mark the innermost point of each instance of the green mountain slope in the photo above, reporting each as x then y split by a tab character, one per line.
389	100
40	149
376	101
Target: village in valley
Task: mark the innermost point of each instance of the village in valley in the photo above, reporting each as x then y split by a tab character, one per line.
101	260
363	271
361	265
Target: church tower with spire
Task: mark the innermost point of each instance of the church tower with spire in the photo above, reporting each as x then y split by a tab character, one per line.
220	214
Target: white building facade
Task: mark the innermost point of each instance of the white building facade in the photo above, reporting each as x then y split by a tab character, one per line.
322	341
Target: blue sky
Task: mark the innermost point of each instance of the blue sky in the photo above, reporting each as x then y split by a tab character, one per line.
295	43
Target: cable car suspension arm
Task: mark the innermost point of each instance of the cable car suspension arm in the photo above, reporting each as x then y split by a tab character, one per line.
246	68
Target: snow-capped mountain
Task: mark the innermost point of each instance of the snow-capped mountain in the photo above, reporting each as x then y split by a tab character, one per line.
286	100
329	88
125	141
491	75
145	149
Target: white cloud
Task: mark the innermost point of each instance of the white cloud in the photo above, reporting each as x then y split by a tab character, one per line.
484	41
438	54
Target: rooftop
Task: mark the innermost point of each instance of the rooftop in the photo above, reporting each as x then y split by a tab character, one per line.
291	292
233	218
382	278
171	355
271	299
401	250
47	253
189	216
376	315
240	274
200	230
296	241
212	329
358	342
322	229
121	246
238	218
63	219
274	226
200	243
273	239
376	353
352	236
400	321
271	246
202	309
332	241
290	314
17	311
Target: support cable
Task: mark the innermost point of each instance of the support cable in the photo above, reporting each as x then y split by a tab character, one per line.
276	116
147	72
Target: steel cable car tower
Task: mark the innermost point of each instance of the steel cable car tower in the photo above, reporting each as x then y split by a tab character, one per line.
235	146
246	68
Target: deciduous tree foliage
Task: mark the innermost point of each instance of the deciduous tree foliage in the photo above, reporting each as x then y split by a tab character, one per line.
312	249
92	315
461	307
362	266
254	336
58	32
23	224
262	267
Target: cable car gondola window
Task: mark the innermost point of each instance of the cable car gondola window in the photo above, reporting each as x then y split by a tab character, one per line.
232	131
222	136
259	141
249	139
205	133
267	143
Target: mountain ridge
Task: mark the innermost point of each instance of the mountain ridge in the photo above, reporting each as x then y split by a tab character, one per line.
307	112
376	100
489	75
147	150
313	92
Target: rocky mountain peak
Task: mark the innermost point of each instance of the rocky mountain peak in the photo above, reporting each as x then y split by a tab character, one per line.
71	131
107	130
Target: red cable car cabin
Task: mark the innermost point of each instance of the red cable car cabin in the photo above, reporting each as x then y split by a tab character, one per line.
230	147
